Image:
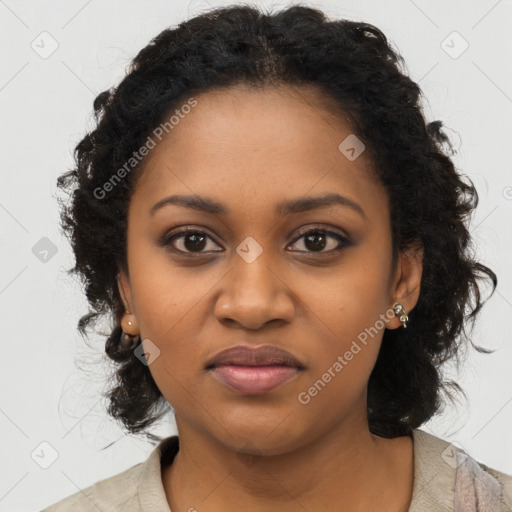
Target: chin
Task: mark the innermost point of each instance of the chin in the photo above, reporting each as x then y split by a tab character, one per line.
272	434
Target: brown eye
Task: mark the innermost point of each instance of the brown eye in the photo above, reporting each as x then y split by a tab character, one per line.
317	240
188	241
194	242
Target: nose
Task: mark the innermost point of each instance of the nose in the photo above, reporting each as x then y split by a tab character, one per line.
253	295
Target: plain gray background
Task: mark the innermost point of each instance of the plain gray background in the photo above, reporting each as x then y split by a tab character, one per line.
51	382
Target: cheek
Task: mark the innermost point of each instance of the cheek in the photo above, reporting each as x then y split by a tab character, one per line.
348	312
343	359
336	382
178	368
349	302
165	294
168	305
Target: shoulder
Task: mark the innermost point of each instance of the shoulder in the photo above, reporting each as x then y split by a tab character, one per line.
119	492
449	478
133	490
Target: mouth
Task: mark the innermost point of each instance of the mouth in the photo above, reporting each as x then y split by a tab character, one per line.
253	371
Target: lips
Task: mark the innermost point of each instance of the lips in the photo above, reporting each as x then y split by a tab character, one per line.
254	370
242	355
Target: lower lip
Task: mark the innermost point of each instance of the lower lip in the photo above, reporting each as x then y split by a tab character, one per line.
254	379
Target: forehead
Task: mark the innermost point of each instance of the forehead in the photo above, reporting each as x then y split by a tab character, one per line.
253	147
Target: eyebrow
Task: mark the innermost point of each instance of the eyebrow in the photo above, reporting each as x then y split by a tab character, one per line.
291	206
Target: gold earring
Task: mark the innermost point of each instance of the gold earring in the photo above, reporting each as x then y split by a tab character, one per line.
129	341
400	312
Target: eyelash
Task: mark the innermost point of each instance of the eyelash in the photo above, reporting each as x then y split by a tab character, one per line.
344	242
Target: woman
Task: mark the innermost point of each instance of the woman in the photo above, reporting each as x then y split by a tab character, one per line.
282	244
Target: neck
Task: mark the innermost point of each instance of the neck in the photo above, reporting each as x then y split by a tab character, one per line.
348	465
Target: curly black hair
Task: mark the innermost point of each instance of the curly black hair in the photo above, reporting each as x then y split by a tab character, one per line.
353	65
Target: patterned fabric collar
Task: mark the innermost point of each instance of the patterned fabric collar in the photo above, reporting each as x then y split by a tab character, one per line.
447	479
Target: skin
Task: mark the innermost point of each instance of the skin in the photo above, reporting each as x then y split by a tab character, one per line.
250	149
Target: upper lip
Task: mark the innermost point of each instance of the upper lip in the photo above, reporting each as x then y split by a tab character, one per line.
244	355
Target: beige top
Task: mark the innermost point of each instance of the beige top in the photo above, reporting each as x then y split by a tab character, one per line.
445	480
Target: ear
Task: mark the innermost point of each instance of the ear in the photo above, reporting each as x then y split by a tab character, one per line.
123	285
406	281
129	322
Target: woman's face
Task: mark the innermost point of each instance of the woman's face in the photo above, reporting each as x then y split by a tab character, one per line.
248	273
